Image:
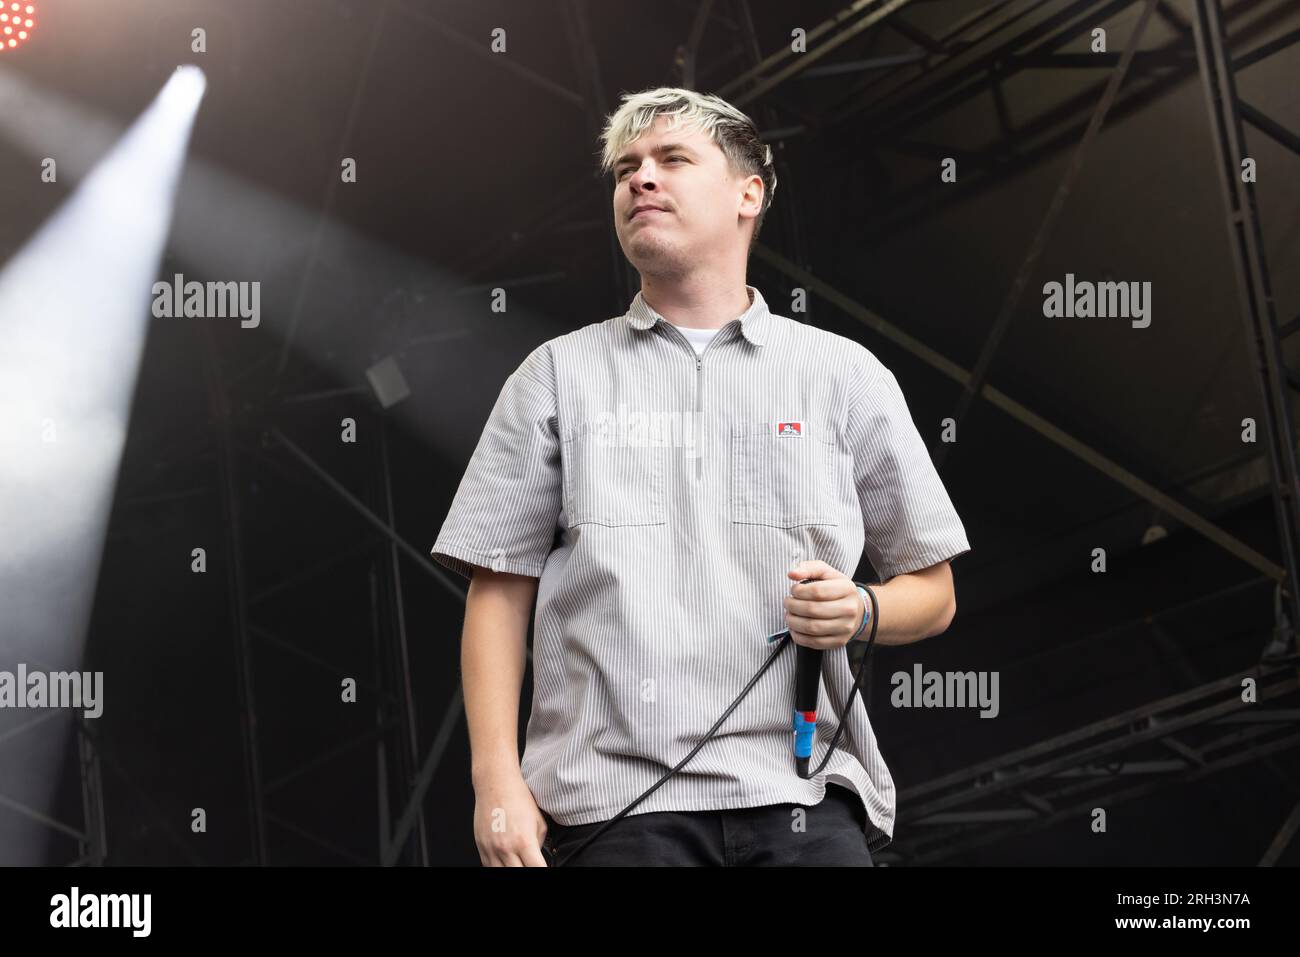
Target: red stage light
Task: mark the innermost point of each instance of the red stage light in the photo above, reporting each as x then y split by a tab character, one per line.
17	21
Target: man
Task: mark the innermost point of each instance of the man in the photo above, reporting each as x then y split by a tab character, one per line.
659	484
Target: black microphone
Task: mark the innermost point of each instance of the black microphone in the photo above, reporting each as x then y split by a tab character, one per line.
807	683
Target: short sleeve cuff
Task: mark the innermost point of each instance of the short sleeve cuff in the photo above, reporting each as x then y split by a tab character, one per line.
462	559
915	561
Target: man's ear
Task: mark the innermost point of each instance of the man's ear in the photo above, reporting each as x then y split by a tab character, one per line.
753	194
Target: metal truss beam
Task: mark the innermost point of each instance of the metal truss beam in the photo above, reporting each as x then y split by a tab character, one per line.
840	29
1083	759
1282	838
587	62
455	707
476	47
1011	154
219	404
1255	292
891	99
331	193
944	847
360	508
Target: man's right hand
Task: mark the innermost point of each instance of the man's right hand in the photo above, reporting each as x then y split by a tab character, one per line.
508	826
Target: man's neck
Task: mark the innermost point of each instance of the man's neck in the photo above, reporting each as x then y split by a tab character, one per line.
706	306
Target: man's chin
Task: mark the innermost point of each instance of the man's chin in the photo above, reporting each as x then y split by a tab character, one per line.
655	257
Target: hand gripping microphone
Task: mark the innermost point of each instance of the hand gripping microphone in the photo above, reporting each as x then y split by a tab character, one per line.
807	686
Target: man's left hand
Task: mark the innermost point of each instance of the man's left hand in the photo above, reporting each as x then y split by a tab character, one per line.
826	612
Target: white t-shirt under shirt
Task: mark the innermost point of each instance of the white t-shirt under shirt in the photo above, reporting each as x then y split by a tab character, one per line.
699	338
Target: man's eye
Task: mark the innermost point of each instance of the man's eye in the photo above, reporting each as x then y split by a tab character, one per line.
621	172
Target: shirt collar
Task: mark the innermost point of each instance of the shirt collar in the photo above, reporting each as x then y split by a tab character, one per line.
755	322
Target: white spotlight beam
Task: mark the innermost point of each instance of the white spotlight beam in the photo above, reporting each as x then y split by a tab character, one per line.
74	308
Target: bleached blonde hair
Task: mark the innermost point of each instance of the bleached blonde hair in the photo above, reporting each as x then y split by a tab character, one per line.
733	132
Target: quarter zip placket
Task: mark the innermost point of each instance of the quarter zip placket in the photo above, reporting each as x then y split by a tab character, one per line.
699	386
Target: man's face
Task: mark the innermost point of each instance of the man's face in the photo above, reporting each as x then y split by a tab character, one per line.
701	201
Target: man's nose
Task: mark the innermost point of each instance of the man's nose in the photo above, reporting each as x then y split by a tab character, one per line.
644	177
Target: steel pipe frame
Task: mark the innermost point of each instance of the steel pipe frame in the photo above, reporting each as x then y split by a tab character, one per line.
1197	764
1003	159
403	724
94	847
398	662
1283	837
841	27
219	404
901	102
988	836
1157	719
583	49
92	837
331	191
1254	287
412	813
452	714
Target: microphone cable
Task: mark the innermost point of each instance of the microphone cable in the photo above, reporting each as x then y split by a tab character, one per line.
785	640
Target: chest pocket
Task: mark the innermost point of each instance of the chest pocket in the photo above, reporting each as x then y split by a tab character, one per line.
608	484
783	477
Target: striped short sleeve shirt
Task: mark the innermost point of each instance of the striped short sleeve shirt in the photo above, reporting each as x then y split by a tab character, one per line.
660	495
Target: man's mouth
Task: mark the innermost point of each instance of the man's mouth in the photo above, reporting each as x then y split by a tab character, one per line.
648	209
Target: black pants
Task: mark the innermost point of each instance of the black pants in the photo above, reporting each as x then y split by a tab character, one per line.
831	836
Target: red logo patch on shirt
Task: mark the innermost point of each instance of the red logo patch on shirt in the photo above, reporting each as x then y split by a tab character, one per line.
789	428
